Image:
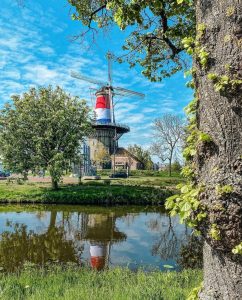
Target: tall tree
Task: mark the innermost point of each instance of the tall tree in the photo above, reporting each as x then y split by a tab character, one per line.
42	129
168	131
101	156
210	31
142	154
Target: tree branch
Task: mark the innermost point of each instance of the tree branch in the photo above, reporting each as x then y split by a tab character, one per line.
164	22
95	12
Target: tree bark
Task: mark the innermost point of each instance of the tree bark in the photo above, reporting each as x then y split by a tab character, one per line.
219	163
25	175
222	276
55	185
170	167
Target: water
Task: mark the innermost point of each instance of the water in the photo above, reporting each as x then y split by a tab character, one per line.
94	236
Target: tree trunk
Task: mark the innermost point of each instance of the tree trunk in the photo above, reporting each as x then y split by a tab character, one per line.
55	185
25	175
169	167
219	163
222	276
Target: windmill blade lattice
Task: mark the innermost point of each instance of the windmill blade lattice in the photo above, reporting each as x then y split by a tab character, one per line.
87	79
104	106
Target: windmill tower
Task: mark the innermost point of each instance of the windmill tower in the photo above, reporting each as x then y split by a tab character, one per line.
106	131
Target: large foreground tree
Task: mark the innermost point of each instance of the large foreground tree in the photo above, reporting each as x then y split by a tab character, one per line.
210	31
42	129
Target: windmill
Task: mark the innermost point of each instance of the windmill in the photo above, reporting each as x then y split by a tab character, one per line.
106	131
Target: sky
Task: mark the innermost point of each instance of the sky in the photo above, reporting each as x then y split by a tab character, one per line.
37	48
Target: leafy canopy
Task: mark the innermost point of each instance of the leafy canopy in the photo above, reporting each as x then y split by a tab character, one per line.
42	129
142	154
157	29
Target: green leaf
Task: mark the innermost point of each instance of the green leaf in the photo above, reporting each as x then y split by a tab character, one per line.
184	189
186	207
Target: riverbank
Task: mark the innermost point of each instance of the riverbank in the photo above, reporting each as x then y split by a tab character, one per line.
89	194
75	283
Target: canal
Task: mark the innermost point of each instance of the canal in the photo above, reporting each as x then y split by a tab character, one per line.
92	236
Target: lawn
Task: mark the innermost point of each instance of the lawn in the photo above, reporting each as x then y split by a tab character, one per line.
93	194
116	284
136	190
156	181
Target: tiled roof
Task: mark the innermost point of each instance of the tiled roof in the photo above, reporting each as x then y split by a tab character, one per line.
123	152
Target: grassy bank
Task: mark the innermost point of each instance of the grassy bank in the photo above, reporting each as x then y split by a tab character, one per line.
162	182
73	283
94	194
143	173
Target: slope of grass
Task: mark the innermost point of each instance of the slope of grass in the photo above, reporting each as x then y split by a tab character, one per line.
96	193
120	284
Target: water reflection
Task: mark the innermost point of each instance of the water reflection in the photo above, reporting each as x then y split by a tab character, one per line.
101	232
100	239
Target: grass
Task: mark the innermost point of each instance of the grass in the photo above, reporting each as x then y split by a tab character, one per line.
136	190
143	173
89	194
116	284
162	182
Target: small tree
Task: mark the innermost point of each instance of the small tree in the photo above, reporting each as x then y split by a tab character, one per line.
168	131
142	154
43	128
101	156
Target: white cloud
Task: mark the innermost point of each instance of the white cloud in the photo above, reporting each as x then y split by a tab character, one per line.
29	57
40	74
148	110
47	50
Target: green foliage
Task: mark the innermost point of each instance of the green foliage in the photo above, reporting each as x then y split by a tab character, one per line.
193	47
224	83
156	30
187	171
201	29
230	11
176	166
42	129
237	249
189	2
191	107
187	205
215	232
195	137
224	189
202	55
204	137
142	155
194	295
188	44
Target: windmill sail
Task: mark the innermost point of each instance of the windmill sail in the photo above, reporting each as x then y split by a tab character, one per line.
88	79
124	92
104	107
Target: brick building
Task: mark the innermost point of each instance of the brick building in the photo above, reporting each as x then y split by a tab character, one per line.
124	159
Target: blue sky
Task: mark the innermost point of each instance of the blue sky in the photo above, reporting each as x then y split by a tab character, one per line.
36	50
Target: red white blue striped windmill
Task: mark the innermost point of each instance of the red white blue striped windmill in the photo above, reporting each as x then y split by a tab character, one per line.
107	132
104	107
